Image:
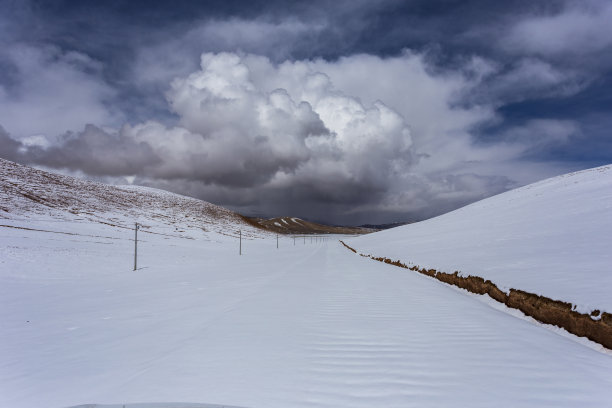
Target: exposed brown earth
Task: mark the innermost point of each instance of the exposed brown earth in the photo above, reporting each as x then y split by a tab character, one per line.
293	225
596	327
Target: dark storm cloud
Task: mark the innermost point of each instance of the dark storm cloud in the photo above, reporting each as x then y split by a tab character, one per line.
9	148
345	111
235	131
95	152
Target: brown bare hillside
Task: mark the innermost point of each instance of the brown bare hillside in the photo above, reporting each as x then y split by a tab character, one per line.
293	225
28	193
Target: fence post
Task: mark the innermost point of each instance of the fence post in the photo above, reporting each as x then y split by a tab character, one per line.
276	241
135	245
240	247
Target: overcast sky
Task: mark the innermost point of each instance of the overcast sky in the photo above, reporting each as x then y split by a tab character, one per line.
346	112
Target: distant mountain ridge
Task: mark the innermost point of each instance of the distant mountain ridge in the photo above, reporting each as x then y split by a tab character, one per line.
294	225
384	226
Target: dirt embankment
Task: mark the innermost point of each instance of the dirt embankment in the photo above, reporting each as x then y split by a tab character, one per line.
596	327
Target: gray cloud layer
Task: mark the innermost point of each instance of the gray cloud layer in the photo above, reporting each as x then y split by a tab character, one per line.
308	136
355	139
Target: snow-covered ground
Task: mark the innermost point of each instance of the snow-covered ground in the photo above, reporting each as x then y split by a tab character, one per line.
552	238
309	324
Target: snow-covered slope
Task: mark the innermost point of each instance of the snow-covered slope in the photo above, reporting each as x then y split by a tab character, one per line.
30	197
551	238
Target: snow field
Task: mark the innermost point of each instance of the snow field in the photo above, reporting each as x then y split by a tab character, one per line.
309	325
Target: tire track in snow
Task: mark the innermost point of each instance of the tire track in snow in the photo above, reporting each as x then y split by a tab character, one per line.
357	357
199	332
380	338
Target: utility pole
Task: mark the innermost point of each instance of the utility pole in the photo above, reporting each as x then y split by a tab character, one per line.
240	247
135	245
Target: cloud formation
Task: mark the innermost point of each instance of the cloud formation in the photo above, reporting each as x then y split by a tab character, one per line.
51	91
579	29
345	112
331	140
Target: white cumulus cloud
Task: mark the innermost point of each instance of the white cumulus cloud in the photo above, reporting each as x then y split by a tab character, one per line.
336	140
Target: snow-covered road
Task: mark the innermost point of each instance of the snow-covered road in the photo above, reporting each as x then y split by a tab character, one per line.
303	326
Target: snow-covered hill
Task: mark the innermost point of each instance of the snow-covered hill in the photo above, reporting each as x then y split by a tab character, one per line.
552	238
30	197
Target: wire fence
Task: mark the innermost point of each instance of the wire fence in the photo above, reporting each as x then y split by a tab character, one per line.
281	241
